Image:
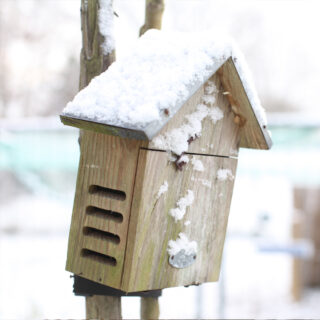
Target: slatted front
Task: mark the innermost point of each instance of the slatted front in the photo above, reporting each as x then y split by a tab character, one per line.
97	240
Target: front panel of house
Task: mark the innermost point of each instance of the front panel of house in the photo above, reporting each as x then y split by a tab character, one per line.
168	202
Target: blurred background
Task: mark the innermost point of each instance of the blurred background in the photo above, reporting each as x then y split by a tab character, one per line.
271	262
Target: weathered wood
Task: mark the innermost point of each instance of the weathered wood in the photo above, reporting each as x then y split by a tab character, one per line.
221	138
109	162
151	227
149	308
252	134
103	128
153	15
103	307
92	63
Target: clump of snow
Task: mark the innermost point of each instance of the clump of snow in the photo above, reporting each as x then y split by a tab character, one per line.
225	174
106	26
182	204
208	99
176	140
182	243
197	164
187	222
163	189
184	158
135	91
210	88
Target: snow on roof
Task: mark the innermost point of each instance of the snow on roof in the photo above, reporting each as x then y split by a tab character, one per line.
159	75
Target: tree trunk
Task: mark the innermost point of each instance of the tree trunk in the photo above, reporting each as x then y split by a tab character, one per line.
153	15
92	62
92	59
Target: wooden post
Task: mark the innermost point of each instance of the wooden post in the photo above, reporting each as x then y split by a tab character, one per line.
103	307
149	307
92	63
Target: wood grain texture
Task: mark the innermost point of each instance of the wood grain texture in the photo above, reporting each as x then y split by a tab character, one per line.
151	227
221	138
109	162
103	307
252	134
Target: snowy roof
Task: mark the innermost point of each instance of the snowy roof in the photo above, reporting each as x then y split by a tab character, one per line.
158	76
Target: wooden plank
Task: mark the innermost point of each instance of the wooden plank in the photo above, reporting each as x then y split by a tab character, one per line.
151	226
253	135
213	137
109	162
103	128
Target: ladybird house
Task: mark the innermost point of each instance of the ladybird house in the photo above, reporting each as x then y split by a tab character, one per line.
158	160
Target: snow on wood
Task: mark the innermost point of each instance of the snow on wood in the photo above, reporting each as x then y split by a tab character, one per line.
197	164
182	243
176	140
163	189
106	26
206	183
225	174
145	89
183	159
182	204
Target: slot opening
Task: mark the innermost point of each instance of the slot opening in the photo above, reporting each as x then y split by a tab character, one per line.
106	214
107	192
96	256
99	234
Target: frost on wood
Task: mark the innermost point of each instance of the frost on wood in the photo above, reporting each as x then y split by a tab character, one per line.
106	26
182	243
163	189
140	92
225	174
206	183
182	204
197	164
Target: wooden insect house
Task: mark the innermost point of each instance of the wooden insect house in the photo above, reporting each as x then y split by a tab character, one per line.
162	131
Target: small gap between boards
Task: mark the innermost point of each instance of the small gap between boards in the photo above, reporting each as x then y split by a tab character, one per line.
195	154
105	214
96	256
101	235
107	192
